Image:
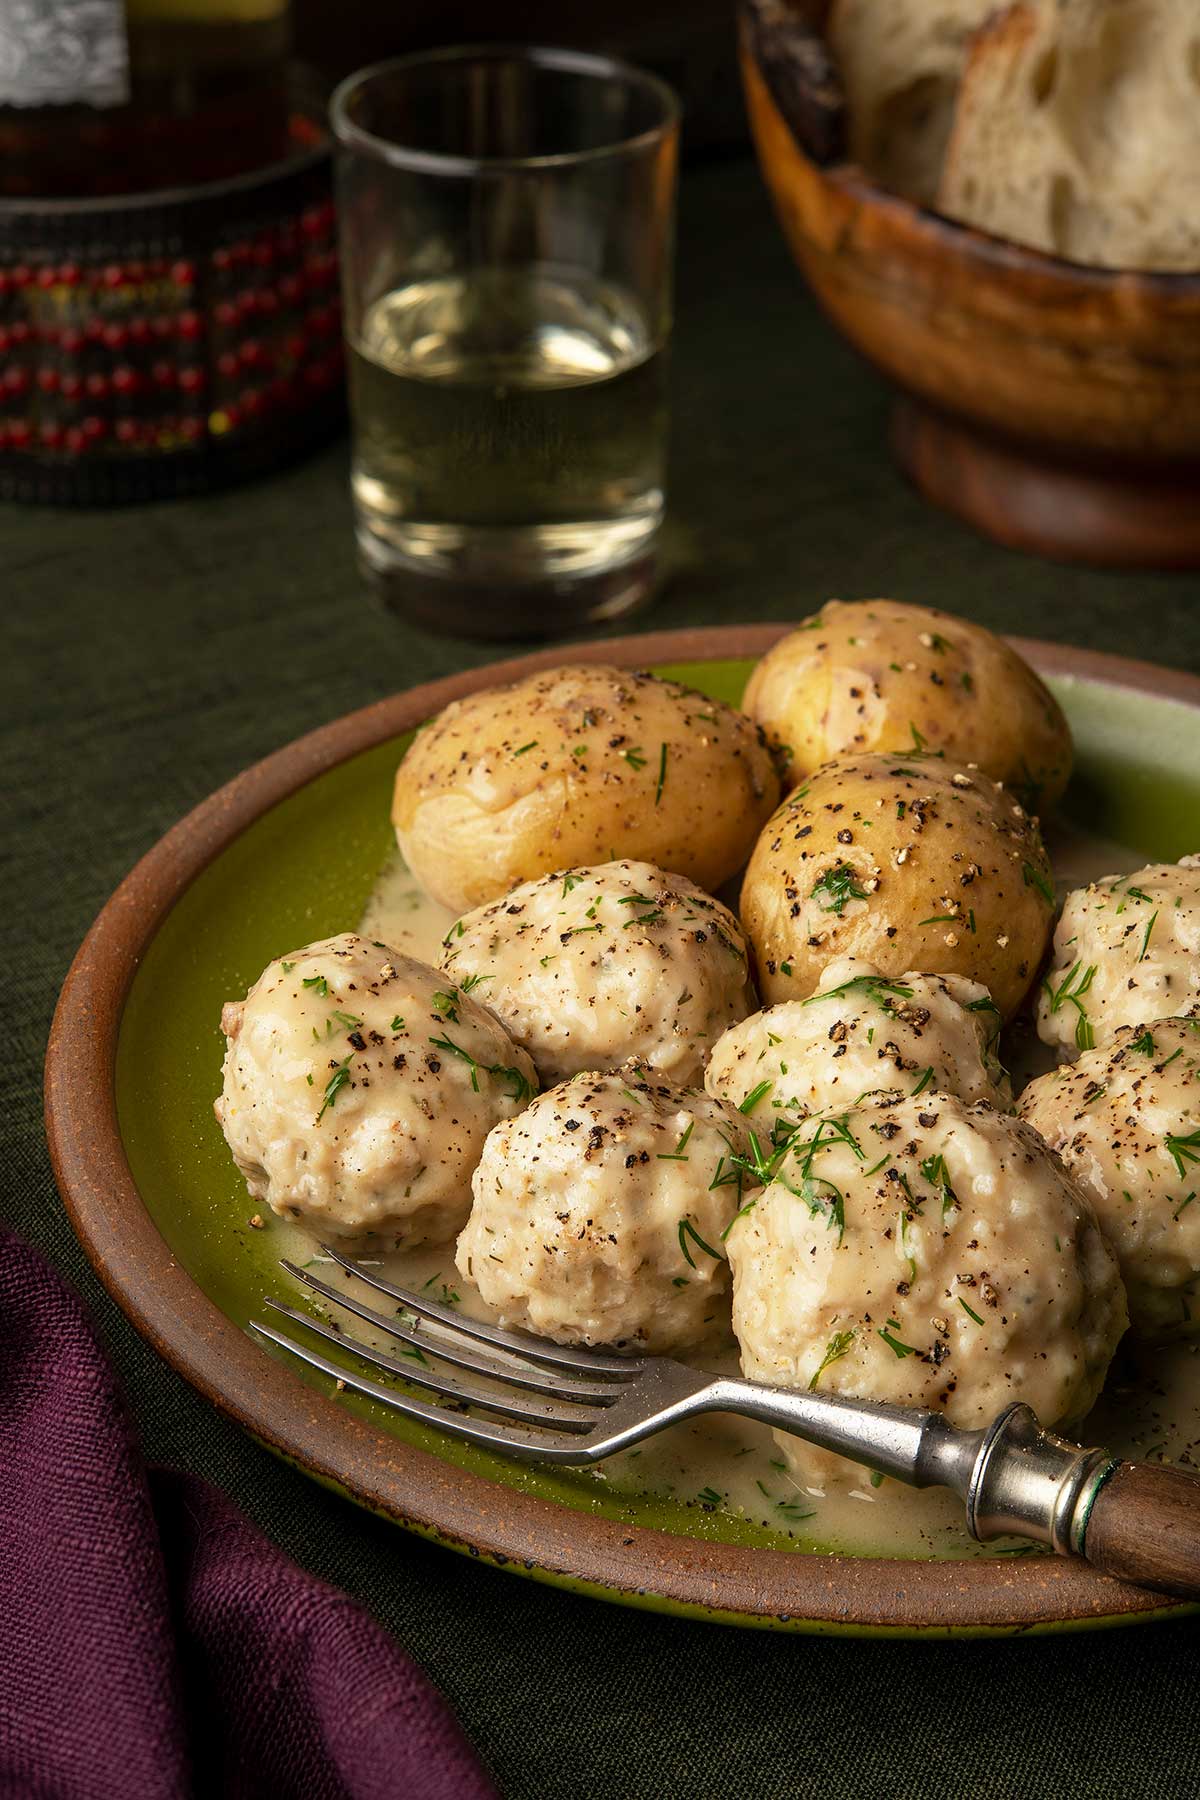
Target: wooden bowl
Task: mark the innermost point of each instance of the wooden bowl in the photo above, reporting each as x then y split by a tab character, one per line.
1053	406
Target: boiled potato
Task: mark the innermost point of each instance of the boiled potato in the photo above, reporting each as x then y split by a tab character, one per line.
580	765
908	862
878	675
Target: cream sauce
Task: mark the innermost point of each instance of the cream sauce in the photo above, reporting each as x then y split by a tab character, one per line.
1150	1408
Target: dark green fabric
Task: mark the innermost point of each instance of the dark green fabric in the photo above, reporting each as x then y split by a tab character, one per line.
151	654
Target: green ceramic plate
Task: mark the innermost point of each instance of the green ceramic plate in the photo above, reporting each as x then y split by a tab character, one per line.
289	852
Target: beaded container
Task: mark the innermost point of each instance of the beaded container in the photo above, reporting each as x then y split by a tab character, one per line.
170	342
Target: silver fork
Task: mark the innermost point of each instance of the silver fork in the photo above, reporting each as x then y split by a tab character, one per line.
1139	1521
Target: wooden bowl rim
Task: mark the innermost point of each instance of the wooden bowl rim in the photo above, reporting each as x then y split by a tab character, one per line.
635	1564
968	243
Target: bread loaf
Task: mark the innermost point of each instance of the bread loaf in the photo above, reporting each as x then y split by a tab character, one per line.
901	62
1077	131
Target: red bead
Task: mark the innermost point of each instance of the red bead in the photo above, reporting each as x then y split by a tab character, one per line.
127	431
71	340
322	270
98	386
49	380
164	374
5	338
76	440
227	365
116	337
135	271
93	330
139	331
71	386
49	334
70	274
323	321
252	355
5	281
295	346
291	289
233	417
94	429
247	302
192	429
126	380
241	252
51	436
266	303
227	314
20	434
17	381
22	275
113	276
264	254
184	272
46	276
221	259
193	381
161	326
190	325
315	221
252	403
281	391
19	332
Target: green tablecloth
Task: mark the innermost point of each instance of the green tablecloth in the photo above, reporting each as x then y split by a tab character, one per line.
152	653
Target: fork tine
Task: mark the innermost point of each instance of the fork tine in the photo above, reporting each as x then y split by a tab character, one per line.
517	1343
578	1392
528	1446
505	1408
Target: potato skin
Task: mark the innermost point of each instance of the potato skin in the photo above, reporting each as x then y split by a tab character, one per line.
868	858
879	675
578	765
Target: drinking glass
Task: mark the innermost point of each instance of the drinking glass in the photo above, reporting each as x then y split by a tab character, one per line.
506	220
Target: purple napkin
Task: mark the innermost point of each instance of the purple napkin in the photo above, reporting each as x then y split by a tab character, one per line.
152	1642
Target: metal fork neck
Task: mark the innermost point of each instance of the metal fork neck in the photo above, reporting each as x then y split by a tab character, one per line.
1015	1478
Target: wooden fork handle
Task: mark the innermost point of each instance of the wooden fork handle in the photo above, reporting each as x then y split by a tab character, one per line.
1144	1527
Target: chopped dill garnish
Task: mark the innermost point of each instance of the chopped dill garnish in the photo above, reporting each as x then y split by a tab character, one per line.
634	757
754	1096
531	745
397	1023
1184	1150
678	1153
871	985
318	984
969	1310
688	1230
837	1347
333	1087
838	885
1146	936
1034	878
925	1081
895	1344
1070	992
1145	1044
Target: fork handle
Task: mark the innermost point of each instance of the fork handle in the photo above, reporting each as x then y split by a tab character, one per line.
1144	1526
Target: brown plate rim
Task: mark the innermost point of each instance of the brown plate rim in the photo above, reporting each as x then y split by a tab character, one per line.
635	1564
